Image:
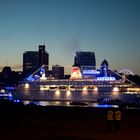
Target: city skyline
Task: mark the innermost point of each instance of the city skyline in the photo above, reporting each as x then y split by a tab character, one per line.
109	28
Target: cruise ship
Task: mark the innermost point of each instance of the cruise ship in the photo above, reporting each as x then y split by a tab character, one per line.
77	88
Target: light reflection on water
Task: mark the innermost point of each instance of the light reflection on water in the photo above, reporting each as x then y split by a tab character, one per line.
59	103
57	98
61	96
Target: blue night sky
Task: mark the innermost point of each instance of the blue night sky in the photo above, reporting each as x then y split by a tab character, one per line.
110	28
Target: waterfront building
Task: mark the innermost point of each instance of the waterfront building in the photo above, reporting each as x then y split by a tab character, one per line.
33	60
30	62
85	60
57	72
43	56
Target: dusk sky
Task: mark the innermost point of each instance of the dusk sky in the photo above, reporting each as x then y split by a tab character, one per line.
110	28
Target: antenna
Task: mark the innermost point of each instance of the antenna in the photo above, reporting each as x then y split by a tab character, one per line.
7	63
43	42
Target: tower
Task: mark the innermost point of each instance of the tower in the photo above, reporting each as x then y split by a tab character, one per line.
43	56
104	68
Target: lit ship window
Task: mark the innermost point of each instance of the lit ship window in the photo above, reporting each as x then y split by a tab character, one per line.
115	89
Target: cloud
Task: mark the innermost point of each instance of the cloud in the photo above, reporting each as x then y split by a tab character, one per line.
72	46
10	33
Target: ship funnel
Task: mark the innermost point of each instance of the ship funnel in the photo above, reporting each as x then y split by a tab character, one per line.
75	73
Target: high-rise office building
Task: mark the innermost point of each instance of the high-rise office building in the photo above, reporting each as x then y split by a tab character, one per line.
84	59
33	60
30	62
43	56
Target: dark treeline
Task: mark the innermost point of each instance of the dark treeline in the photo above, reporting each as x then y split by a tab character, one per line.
9	77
